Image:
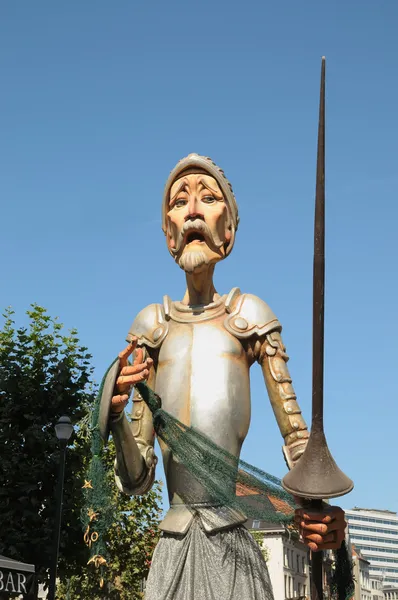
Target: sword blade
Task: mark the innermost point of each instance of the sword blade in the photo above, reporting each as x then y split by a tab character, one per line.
319	313
319	270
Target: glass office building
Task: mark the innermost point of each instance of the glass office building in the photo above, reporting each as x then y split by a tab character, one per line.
375	533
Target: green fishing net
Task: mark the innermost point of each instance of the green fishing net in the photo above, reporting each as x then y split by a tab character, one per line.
231	483
97	514
228	481
342	585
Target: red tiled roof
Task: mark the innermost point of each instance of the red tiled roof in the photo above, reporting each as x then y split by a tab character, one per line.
278	504
243	490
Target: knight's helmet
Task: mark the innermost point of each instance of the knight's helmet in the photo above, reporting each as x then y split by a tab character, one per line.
196	163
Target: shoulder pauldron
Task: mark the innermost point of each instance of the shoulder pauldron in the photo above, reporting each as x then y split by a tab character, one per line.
249	315
151	324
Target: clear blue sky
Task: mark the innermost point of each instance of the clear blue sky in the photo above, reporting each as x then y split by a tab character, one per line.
100	99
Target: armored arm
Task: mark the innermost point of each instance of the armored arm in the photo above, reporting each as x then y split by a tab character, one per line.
253	322
273	360
135	458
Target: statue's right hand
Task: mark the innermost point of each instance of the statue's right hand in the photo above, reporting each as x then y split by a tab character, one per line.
129	375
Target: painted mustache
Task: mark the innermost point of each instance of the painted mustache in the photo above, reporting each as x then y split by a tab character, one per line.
197	226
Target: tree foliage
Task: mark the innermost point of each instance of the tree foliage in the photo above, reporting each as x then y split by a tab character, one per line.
44	374
131	540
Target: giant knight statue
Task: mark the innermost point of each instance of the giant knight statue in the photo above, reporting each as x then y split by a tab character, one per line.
196	354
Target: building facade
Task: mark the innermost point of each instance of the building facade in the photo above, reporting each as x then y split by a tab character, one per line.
375	534
287	560
361	568
286	556
376	585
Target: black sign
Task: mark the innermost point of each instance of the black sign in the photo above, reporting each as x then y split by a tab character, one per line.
17	581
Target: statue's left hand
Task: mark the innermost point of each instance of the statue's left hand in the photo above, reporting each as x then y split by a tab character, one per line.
321	529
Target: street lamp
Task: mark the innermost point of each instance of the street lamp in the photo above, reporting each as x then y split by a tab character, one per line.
63	431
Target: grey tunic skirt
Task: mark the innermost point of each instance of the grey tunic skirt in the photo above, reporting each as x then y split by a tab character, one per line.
227	565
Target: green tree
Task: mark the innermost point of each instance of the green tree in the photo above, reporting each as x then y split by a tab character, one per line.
45	373
131	540
260	539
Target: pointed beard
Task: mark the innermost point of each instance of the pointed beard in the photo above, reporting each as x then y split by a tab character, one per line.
190	261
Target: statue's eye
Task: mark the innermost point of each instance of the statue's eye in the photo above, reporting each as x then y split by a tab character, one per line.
209	199
180	202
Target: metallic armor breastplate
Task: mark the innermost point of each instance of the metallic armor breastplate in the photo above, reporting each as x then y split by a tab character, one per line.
202	377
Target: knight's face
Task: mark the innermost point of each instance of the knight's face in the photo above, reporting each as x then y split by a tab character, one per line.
197	222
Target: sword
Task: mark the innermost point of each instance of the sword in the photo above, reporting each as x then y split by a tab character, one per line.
316	475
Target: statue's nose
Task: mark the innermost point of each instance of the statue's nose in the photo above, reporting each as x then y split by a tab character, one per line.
194	211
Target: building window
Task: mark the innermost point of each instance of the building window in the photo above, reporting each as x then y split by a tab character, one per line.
358	536
303	565
256	524
372	520
364	529
286	586
298	564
